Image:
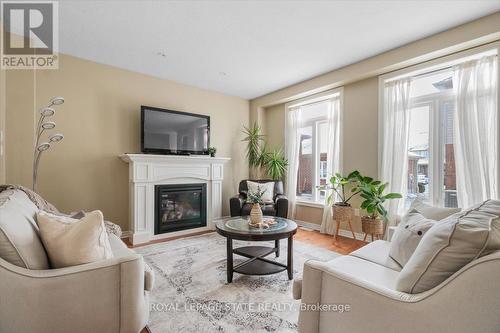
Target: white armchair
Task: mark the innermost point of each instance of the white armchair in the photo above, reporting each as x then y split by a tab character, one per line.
105	296
365	280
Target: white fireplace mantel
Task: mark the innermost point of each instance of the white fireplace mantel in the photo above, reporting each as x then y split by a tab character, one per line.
146	171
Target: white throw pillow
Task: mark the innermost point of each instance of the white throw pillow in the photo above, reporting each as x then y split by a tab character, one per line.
408	235
71	242
268	189
431	212
451	244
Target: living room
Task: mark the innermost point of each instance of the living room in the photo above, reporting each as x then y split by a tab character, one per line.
238	166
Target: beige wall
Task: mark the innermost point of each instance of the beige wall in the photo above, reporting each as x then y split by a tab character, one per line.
360	86
100	120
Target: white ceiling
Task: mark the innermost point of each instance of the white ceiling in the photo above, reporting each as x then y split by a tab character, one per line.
250	48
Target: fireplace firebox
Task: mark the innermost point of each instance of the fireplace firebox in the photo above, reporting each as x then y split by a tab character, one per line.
180	207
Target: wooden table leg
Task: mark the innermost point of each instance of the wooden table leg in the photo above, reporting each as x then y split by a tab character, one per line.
277	246
229	260
289	263
336	229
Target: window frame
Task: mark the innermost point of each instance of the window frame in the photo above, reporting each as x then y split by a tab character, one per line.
316	200
435	194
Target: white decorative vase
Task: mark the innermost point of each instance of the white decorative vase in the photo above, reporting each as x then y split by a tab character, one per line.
255	214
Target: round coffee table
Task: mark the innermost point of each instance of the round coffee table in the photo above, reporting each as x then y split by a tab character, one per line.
238	228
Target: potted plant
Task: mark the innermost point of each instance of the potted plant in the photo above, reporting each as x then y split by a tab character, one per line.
342	209
372	192
212	151
273	162
255	198
254	139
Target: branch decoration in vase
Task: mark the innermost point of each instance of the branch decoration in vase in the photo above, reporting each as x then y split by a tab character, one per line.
41	127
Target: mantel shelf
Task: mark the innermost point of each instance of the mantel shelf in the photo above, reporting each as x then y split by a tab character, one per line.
129	158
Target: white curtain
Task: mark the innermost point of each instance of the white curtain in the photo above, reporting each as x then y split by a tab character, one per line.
395	134
292	144
476	130
332	158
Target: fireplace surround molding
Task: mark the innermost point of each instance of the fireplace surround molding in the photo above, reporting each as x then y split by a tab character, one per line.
146	171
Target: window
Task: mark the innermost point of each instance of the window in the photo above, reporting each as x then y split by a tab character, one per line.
431	162
316	117
447	110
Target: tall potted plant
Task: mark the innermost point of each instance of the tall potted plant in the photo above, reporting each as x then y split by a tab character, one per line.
372	192
254	140
273	162
344	189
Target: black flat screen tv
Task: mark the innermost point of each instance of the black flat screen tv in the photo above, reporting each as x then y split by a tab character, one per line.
174	132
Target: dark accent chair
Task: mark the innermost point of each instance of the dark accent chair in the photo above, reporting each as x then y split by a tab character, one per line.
239	206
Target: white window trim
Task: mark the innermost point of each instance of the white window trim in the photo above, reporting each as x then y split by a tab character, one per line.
432	66
311	99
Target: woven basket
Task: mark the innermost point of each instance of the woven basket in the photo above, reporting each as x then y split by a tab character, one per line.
342	213
372	226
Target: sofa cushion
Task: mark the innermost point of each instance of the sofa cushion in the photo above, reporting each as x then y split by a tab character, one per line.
408	235
432	212
71	242
20	242
356	269
378	253
268	188
451	244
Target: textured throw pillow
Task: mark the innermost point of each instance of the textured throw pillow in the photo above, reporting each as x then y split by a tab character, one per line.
431	212
71	242
451	244
408	234
268	189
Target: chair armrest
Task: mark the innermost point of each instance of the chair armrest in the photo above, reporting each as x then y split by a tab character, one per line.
110	292
281	205
235	204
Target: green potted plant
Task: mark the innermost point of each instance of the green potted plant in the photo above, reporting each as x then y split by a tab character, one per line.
254	140
344	188
372	192
273	162
212	151
255	198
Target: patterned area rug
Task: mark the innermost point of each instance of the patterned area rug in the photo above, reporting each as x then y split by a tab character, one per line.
191	293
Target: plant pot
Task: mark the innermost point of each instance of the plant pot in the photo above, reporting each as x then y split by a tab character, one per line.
255	214
372	226
343	212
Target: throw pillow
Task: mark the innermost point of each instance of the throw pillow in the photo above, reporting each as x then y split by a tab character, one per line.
431	212
268	189
407	236
71	242
451	244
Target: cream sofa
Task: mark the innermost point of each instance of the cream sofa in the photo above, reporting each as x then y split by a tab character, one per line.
104	296
365	280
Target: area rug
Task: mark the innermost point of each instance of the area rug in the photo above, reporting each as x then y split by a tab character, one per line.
191	293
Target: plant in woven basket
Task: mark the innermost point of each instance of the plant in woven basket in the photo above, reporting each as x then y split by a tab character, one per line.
372	192
340	186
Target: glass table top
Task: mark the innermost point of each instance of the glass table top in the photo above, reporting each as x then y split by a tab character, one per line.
240	224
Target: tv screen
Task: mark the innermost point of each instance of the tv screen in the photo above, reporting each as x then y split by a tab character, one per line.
174	132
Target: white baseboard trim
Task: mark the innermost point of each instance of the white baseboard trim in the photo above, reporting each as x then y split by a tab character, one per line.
342	232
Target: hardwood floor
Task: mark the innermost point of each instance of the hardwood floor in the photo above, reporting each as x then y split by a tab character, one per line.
342	245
